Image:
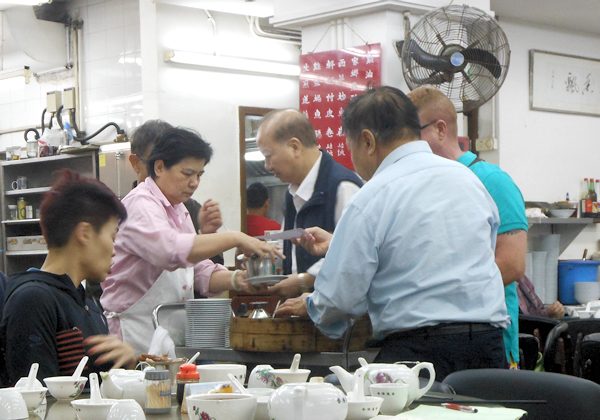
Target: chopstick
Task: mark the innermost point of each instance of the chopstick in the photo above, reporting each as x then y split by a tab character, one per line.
428	400
276	307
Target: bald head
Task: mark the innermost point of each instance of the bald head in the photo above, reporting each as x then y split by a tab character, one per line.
287	123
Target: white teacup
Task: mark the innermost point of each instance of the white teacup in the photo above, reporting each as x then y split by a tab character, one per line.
221	406
33	397
92	410
395	396
126	409
259	377
218	372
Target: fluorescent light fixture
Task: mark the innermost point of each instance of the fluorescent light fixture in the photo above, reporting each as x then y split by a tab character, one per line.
23	2
25	73
115	147
255	156
244	65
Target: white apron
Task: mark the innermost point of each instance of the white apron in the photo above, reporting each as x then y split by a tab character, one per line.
136	321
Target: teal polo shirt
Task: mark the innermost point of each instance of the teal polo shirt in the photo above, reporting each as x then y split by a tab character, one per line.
511	207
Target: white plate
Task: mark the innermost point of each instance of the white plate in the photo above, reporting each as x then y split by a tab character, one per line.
268	280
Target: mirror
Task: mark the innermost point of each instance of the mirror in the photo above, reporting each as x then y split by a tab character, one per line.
252	165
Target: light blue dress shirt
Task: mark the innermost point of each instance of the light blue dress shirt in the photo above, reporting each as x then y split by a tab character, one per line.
414	248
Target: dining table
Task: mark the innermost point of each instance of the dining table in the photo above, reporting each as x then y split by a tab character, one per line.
428	406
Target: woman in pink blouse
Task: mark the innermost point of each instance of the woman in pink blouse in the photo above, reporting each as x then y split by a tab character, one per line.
159	258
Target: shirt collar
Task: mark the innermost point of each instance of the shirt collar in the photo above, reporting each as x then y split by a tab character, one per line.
307	187
151	186
417	146
467	158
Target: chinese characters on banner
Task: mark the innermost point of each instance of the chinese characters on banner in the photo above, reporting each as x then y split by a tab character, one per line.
328	80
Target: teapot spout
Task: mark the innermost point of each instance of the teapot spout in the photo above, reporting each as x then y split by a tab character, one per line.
346	378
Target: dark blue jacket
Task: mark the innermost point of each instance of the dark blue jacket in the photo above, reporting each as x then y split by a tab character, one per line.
38	307
319	210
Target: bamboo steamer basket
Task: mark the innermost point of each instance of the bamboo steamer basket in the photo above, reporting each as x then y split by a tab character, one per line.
291	335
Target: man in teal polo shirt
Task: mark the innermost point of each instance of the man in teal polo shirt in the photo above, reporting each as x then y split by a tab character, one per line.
438	127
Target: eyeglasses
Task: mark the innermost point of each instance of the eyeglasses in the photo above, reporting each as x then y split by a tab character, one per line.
423	127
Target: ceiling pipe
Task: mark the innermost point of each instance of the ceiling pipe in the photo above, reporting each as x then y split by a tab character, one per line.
284	35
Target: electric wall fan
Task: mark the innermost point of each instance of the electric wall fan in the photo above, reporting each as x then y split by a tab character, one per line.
460	49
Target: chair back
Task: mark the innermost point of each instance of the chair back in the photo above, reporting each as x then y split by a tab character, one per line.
590	357
562	351
538	326
567	397
529	348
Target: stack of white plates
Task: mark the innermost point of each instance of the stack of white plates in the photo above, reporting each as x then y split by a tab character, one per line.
207	323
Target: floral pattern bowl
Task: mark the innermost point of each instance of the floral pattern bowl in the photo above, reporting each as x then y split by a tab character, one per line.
221	406
65	388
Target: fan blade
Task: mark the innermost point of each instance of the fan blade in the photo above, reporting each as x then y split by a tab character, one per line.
435	78
423	58
483	58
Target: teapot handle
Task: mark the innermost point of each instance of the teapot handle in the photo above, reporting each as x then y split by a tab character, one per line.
416	369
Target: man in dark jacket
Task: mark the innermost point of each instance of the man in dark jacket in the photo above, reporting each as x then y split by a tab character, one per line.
319	189
47	319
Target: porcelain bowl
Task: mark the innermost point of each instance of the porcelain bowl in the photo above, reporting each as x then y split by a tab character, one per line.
127	409
363	410
562	213
218	372
286	376
12	405
586	291
221	406
395	397
65	387
33	397
96	410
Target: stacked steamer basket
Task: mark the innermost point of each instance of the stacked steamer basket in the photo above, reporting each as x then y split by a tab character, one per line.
207	323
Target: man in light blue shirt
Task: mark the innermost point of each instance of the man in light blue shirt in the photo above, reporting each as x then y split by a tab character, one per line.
438	116
414	249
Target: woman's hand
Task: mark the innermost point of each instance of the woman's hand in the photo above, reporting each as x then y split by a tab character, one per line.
111	349
315	241
210	217
250	246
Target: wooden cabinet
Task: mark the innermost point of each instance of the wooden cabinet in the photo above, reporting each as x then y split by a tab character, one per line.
21	238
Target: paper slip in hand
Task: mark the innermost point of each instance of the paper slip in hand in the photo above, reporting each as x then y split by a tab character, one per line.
285	235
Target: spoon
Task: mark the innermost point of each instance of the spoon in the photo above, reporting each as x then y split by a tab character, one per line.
295	363
194	357
95	395
363	362
237	384
80	366
33	370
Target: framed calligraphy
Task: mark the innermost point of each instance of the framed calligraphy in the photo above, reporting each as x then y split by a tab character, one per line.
328	80
564	83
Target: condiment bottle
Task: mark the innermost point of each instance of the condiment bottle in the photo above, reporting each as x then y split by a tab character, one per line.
21	204
158	391
187	375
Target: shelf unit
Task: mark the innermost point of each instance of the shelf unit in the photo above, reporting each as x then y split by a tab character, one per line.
39	173
568	228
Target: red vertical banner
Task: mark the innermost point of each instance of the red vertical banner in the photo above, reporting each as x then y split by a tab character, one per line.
328	80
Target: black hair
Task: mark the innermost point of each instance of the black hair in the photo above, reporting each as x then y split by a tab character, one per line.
385	111
145	136
74	199
256	195
176	144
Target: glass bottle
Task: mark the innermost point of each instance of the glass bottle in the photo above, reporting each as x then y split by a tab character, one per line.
188	374
158	391
21	204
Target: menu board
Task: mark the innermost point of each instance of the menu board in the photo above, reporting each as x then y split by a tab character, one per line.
328	80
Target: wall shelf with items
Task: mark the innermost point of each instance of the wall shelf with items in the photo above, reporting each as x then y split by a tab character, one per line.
23	244
568	228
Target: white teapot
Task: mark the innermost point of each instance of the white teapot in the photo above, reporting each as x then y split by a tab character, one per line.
308	401
390	373
124	384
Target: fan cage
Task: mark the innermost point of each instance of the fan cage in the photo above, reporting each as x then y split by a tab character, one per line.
458	27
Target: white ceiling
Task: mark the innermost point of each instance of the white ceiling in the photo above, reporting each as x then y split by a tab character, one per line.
573	15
